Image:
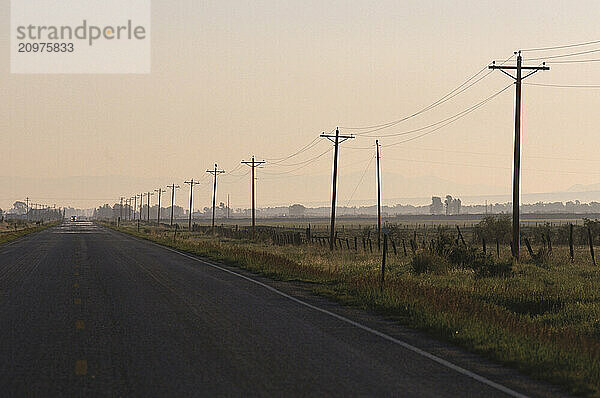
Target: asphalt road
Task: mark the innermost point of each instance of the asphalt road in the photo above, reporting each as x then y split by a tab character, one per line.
85	311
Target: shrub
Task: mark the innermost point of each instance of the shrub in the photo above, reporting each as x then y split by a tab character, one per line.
494	227
424	262
462	256
488	267
484	265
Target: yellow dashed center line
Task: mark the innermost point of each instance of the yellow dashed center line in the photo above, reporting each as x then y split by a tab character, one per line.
77	301
81	367
75	284
79	325
76	273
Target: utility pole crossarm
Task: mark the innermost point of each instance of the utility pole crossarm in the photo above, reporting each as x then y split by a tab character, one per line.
332	137
510	67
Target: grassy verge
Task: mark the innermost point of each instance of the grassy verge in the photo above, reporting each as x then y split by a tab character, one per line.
10	236
542	320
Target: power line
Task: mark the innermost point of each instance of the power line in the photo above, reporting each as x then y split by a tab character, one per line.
457	115
587	43
501	155
462	114
425	109
305	164
456	91
236	177
563	55
491	167
564	85
574	61
360	181
230	172
305	148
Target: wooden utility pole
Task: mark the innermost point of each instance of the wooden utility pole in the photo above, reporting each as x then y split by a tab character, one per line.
121	209
148	215
159	191
519	68
27	207
337	139
253	164
132	208
173	188
378	196
215	173
191	183
141	205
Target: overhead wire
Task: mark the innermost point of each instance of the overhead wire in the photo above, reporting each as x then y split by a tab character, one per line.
444	122
587	43
306	163
230	172
492	167
453	93
563	55
458	117
440	101
502	154
564	85
360	181
574	61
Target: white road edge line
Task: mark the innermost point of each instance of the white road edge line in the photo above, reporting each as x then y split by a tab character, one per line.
387	337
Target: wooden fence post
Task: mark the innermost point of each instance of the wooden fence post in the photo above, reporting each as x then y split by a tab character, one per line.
460	235
529	249
591	245
571	251
385	236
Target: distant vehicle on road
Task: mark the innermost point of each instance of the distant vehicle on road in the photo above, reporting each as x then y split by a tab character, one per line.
73	218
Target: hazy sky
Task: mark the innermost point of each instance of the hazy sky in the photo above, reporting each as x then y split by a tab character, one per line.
231	79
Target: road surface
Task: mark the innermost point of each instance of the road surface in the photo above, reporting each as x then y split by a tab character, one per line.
86	311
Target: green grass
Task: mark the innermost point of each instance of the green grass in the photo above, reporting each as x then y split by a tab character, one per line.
543	320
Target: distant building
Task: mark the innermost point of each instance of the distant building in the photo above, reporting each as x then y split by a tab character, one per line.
297	210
